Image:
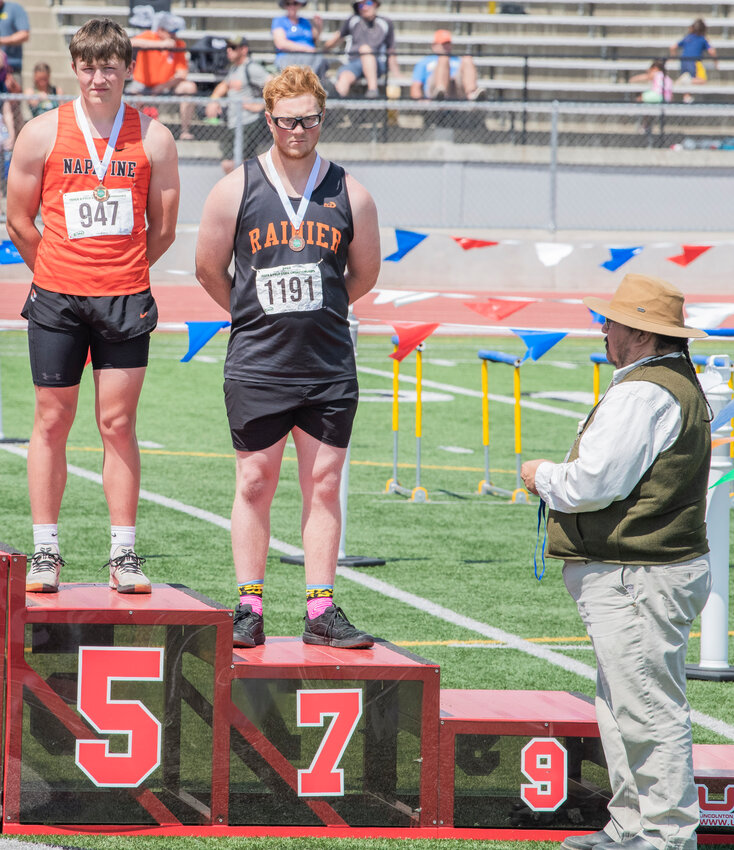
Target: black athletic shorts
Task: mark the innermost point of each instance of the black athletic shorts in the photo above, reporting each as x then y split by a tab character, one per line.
261	414
62	329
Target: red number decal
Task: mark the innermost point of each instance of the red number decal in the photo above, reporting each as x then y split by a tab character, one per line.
543	762
323	778
98	667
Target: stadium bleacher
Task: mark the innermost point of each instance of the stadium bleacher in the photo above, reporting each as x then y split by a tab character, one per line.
582	52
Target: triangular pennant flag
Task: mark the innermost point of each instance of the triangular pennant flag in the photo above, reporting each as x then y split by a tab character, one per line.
496	308
551	253
199	334
728	477
467	244
597	317
722	417
619	256
9	253
721	442
690	252
410	336
538	342
407	240
89	358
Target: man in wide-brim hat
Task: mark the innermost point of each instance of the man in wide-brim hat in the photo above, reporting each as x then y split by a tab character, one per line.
627	517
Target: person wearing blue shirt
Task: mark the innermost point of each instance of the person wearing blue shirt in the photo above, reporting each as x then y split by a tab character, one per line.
14	31
441	75
693	47
296	38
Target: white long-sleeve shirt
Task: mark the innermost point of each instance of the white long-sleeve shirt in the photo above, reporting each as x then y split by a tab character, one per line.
634	422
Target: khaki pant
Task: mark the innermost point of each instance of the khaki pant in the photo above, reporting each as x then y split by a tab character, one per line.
638	619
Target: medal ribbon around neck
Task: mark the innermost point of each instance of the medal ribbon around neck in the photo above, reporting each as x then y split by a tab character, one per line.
100	166
296	217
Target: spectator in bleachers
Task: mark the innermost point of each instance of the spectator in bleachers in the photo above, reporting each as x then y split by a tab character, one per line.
441	75
243	87
7	132
370	40
694	46
296	38
38	94
661	85
161	66
14	31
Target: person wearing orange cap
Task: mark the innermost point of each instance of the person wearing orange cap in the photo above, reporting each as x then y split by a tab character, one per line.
628	518
441	75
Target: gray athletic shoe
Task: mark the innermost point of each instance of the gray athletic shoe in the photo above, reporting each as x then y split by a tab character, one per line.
43	576
594	841
248	628
126	575
333	629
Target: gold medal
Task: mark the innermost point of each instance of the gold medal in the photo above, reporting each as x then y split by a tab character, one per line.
296	242
101	193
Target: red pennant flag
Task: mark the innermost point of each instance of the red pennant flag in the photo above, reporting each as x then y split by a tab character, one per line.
89	358
467	244
410	336
496	308
690	252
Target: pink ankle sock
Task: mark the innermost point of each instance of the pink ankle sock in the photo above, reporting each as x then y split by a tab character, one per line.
315	607
255	602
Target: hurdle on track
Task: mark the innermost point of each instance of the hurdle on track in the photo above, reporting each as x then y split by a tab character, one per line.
418	493
519	495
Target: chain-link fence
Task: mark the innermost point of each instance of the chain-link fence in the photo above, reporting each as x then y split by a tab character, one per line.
496	164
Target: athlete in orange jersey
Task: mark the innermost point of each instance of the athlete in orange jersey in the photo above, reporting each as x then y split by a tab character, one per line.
97	170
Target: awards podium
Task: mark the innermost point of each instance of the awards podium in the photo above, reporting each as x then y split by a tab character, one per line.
132	714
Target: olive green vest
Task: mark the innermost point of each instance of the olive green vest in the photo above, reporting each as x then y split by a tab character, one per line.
663	520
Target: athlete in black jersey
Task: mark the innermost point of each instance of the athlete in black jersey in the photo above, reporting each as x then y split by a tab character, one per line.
305	241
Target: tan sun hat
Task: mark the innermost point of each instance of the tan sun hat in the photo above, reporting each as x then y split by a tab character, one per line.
647	304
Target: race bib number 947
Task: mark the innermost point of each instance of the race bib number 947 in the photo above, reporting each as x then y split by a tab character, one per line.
85	216
290	289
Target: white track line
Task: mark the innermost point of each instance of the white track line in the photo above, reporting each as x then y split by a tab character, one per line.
389	590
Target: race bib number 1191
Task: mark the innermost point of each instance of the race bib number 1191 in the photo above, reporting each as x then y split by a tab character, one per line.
290	289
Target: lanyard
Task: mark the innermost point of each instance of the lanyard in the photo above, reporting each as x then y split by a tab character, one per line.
296	217
541	515
100	166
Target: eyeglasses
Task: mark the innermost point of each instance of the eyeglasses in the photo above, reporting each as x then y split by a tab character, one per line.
366	4
308	122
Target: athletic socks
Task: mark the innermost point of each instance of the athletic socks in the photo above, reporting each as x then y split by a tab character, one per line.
319	597
122	538
46	536
251	593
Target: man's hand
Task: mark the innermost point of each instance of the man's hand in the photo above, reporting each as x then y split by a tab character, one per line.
527	473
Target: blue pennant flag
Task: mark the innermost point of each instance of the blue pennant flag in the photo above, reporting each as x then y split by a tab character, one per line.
199	334
596	317
407	240
538	342
9	253
619	257
723	417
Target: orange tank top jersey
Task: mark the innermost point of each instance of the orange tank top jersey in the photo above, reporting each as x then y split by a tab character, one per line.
92	247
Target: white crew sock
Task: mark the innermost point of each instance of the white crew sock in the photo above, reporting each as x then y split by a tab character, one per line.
46	535
122	540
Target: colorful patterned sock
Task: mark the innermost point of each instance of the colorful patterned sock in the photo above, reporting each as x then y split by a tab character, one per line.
319	597
251	593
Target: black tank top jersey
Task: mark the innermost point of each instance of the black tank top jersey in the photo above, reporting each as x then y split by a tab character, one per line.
290	308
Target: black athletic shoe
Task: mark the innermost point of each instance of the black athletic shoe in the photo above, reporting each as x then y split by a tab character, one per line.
333	629
247	629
